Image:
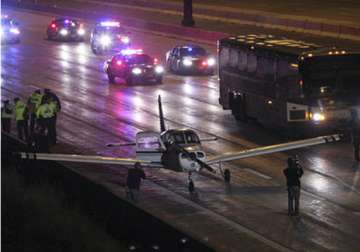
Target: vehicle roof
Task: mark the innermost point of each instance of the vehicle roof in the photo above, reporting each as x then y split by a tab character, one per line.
62	19
270	42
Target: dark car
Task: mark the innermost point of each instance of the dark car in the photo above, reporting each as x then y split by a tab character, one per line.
65	29
10	32
189	59
134	67
109	36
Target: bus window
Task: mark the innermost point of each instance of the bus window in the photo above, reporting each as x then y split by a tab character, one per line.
265	68
285	68
252	62
233	57
242	61
224	57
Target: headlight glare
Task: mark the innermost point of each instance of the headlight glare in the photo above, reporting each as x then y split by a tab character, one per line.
211	61
63	32
105	40
81	32
187	62
125	40
318	116
136	71
159	69
15	31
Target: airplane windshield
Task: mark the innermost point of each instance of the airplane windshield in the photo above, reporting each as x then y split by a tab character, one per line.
191	137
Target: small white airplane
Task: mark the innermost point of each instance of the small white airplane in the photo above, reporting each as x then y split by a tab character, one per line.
179	150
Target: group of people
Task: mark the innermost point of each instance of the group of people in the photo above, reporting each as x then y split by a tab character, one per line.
35	116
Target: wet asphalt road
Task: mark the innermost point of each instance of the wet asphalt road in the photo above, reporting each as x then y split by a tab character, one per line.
95	112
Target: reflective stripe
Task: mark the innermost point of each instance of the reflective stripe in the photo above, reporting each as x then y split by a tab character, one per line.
45	111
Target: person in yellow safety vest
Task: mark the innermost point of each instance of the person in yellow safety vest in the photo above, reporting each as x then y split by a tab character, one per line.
52	121
21	117
33	103
6	116
44	114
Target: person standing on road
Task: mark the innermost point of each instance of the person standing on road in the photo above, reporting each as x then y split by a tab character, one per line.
133	181
21	117
44	114
6	116
33	104
293	173
355	133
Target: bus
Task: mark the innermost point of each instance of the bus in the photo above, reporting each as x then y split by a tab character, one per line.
285	83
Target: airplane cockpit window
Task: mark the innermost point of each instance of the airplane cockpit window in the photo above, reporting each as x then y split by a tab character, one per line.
179	138
191	137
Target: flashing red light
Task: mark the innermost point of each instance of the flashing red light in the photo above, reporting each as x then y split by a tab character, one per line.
156	60
53	25
119	62
301	82
204	63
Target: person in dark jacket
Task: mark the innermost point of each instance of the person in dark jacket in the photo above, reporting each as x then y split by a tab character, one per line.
293	173
355	133
133	181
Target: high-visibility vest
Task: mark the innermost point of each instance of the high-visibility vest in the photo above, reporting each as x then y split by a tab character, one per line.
45	111
54	106
35	99
6	111
20	111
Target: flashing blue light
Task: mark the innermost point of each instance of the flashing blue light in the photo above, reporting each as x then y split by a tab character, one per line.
66	21
110	24
189	49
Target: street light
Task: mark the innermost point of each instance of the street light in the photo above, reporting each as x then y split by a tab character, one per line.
187	14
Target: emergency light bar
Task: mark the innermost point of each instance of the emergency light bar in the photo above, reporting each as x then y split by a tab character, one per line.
110	24
131	51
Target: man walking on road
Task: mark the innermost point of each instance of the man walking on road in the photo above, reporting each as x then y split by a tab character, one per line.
21	117
6	116
133	181
293	173
33	104
355	133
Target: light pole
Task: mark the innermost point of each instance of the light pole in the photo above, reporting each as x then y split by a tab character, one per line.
187	14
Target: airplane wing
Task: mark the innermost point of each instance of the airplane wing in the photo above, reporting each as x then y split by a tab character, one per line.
88	159
272	149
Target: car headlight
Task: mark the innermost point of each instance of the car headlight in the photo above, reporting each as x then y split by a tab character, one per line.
211	61
136	71
187	62
81	32
125	40
15	31
63	32
159	69
318	116
105	40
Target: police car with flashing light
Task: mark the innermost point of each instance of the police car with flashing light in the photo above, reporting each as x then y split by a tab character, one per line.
133	66
10	32
190	59
65	29
108	36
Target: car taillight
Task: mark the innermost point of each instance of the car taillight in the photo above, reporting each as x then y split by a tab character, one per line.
53	26
156	60
119	62
204	63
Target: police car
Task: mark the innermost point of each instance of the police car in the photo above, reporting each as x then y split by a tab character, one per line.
134	67
108	36
10	32
65	29
188	59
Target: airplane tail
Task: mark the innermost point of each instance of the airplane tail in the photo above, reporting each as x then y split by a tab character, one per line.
161	116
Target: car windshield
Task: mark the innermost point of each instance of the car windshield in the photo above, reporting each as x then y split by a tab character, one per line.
192	51
111	29
140	59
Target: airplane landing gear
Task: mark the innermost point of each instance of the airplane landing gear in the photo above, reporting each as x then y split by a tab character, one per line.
191	184
227	176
